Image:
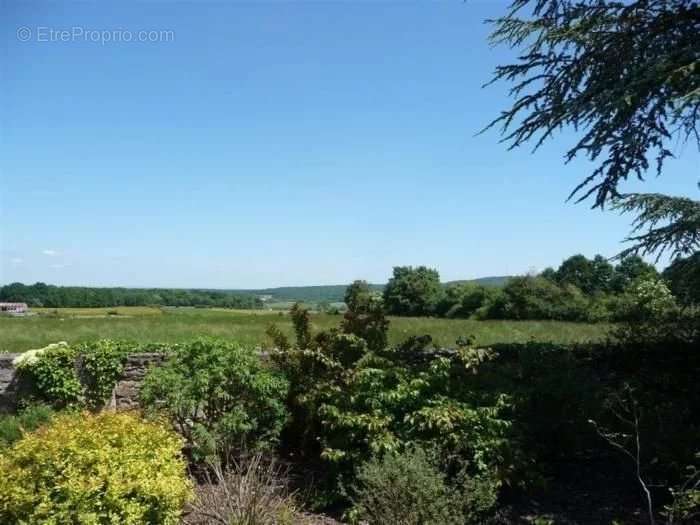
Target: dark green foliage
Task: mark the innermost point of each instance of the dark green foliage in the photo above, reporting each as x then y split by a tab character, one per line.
219	396
626	109
538	298
101	365
365	316
52	374
597	275
81	376
405	489
464	300
49	296
663	223
629	270
357	295
579	272
13	427
683	277
349	402
413	291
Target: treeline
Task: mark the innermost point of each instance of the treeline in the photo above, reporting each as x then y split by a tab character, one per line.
46	295
580	289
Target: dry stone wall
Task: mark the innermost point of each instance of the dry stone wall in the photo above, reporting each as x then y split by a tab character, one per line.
124	396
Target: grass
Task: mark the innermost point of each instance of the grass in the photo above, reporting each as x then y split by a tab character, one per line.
18	334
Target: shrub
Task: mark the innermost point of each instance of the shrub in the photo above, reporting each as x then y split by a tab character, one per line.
349	402
102	363
404	489
650	300
74	376
218	395
366	319
463	300
99	469
13	427
528	297
51	372
252	491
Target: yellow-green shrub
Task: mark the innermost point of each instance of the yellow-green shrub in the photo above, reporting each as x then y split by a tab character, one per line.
107	468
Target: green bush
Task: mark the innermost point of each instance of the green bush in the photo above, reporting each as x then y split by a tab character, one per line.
13	427
51	371
64	375
404	489
218	395
349	403
538	298
464	300
102	365
97	469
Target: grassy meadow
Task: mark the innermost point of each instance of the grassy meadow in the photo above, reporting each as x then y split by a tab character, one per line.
144	324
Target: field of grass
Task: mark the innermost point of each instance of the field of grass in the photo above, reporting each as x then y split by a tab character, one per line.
18	334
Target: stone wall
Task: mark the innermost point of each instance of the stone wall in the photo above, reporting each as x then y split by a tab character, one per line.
126	391
124	396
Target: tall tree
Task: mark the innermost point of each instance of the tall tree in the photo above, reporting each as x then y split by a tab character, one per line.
577	270
631	269
683	276
413	291
626	77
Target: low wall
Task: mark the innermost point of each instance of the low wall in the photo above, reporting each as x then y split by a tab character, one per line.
124	395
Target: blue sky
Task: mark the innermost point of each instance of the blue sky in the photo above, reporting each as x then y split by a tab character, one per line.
274	143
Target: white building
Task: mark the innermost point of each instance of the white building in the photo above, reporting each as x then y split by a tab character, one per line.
13	308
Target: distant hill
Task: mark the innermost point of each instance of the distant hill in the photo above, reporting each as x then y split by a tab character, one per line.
334	293
497	281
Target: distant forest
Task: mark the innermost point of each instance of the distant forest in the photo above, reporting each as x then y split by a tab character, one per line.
335	293
49	296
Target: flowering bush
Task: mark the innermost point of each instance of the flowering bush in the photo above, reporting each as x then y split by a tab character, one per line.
97	469
31	357
80	376
51	372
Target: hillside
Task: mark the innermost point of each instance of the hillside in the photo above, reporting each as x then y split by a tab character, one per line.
334	293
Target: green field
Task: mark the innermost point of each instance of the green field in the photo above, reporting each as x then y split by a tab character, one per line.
18	334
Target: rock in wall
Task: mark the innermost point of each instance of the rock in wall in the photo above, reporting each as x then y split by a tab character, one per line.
124	396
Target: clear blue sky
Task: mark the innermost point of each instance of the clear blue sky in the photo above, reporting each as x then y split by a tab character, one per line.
274	143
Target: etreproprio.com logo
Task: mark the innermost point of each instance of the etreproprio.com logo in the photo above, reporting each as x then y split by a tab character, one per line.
96	36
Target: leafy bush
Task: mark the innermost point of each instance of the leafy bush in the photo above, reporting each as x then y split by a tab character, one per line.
102	364
100	469
685	507
651	300
218	395
74	376
405	489
13	427
52	373
365	318
528	297
463	300
683	277
349	403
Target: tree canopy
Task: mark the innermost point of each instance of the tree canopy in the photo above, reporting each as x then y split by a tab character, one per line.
413	291
626	77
